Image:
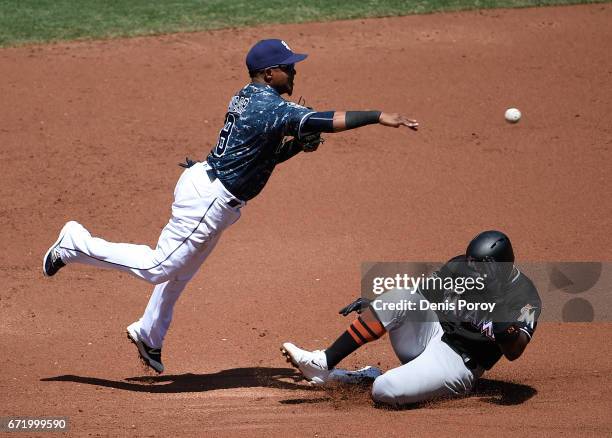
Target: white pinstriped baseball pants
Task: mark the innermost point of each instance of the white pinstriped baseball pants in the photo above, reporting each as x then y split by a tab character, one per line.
200	214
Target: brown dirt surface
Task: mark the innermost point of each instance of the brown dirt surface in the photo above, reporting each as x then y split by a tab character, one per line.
92	131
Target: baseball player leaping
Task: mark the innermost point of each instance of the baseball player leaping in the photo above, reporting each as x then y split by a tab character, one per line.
209	195
442	351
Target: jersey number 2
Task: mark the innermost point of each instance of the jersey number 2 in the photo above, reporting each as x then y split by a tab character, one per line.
224	134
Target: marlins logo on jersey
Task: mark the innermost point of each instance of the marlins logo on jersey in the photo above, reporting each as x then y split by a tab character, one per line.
528	315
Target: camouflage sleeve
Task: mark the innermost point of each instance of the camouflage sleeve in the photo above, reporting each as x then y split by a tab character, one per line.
291	118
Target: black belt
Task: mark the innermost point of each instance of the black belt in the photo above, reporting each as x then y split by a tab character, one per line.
213	176
469	362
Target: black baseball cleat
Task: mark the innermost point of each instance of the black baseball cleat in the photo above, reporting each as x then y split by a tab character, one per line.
149	356
52	261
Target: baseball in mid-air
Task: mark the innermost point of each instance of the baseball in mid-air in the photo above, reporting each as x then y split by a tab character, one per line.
512	115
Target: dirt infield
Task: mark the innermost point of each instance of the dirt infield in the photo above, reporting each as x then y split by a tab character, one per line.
92	131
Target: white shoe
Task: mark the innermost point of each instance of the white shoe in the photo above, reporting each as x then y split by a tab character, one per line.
363	375
312	364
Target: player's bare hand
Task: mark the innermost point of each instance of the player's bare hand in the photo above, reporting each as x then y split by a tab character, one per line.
395	120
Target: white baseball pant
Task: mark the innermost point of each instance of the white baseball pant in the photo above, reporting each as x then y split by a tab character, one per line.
431	368
200	213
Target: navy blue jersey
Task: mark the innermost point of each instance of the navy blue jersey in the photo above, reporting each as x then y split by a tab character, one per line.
250	143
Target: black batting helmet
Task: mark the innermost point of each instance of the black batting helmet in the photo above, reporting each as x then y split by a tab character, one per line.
492	246
494	250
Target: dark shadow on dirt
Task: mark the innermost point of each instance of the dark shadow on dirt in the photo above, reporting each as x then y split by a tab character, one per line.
498	392
253	377
489	391
495	392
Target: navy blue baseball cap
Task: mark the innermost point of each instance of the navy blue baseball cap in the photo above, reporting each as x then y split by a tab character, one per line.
270	53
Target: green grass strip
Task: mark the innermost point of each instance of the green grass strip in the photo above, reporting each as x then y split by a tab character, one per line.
40	21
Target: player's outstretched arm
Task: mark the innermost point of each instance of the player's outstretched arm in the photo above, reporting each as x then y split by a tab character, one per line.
338	121
344	120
